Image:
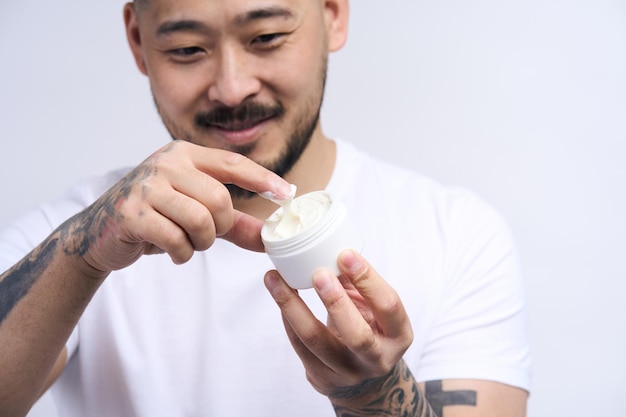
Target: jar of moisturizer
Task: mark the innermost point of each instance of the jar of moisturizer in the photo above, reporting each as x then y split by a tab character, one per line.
307	233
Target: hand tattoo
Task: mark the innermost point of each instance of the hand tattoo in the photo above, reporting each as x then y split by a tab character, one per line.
82	230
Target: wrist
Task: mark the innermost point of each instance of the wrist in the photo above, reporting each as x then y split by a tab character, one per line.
396	393
75	247
370	390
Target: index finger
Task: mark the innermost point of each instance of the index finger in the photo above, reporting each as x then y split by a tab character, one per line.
381	298
234	168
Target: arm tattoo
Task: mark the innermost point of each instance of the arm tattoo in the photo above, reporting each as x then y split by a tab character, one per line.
81	231
76	236
399	396
18	281
438	398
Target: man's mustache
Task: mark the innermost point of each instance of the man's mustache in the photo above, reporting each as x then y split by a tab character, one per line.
244	115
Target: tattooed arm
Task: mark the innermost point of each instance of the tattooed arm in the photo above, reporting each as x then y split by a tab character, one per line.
398	394
174	202
41	299
395	394
356	360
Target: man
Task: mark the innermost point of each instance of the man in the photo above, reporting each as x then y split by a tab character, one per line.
428	320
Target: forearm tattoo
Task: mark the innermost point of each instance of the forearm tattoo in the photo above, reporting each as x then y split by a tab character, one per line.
399	396
81	231
21	278
74	238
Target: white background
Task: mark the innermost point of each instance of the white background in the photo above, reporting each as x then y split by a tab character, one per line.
523	101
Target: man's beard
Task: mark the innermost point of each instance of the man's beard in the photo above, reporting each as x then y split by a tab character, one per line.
295	146
249	113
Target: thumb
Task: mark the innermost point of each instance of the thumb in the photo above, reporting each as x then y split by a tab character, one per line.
245	232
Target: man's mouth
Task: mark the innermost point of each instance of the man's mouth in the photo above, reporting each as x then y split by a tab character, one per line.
238	126
243	117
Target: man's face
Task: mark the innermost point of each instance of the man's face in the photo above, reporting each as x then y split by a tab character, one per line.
241	75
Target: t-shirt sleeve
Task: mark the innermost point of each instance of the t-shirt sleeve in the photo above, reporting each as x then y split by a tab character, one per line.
481	329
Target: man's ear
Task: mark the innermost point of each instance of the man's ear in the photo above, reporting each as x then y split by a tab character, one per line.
134	37
336	13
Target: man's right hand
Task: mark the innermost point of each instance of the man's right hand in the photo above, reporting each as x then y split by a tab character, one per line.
174	202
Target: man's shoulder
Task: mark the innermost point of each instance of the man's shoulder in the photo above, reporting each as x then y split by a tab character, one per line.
386	178
36	223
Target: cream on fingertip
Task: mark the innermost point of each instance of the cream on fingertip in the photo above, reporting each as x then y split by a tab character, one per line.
270	195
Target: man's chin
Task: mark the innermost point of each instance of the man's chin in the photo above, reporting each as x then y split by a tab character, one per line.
245	150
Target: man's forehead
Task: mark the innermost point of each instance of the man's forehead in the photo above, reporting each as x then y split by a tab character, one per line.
233	8
213	13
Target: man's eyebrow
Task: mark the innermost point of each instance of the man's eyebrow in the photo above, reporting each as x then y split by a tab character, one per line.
174	26
264	13
189	25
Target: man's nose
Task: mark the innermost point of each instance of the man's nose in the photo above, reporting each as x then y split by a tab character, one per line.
234	78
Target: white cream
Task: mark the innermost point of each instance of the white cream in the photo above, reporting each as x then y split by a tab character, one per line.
296	215
307	233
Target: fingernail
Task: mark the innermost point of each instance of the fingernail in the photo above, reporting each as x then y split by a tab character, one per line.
351	261
287	191
322	280
272	281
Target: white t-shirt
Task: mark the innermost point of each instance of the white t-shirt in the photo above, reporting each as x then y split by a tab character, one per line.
206	339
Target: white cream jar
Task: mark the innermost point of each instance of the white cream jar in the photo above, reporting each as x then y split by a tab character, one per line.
307	233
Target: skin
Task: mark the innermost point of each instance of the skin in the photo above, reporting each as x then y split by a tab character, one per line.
211	63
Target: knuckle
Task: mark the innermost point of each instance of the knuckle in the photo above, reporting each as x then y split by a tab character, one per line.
391	304
234	159
361	276
174	239
365	342
203	238
283	298
180	257
205	243
220	200
312	337
336	301
167	154
176	145
407	339
177	246
200	223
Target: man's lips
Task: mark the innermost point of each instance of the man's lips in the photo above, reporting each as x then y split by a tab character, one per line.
241	125
240	133
238	126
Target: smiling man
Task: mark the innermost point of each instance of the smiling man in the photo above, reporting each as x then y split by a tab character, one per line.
248	78
429	320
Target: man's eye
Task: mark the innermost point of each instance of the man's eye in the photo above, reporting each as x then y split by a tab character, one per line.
186	52
268	40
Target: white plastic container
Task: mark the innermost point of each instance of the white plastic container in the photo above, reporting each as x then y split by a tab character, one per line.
319	245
